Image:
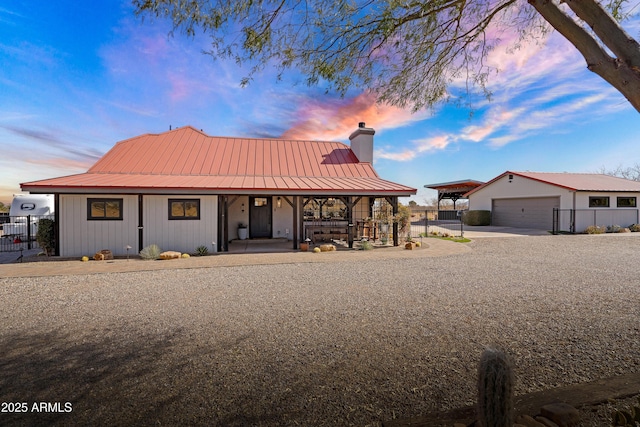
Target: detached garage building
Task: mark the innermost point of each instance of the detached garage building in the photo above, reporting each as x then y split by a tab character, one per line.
528	200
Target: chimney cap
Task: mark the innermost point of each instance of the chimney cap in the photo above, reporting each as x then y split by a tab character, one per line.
361	125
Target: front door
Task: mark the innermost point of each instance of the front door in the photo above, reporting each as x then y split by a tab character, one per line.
259	217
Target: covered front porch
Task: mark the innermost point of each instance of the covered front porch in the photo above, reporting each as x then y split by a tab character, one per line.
342	219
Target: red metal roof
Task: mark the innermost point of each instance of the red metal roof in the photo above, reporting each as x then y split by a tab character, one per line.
575	181
462	185
187	159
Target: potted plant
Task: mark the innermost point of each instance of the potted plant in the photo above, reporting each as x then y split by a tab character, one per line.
304	246
242	231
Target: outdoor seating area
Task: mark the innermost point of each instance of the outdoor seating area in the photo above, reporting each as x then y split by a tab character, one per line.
326	231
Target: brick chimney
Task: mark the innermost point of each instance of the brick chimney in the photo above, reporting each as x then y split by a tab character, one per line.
362	143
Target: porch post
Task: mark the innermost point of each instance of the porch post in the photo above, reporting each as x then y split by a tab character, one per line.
56	224
350	224
223	224
394	205
301	206
295	222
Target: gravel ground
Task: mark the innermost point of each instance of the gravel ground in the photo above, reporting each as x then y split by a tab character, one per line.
340	343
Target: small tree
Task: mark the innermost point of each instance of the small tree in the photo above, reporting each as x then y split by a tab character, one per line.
45	236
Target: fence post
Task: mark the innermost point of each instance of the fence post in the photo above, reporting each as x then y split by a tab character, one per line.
426	223
28	231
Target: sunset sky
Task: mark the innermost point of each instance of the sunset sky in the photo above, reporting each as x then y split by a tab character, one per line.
77	77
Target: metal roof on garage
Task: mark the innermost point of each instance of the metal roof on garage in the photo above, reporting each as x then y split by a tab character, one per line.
574	181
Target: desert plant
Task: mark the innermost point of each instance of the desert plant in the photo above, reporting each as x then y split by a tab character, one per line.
495	389
366	245
45	236
477	217
613	228
595	229
202	250
629	418
634	227
151	252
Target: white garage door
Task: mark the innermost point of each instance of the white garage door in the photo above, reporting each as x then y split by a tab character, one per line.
530	212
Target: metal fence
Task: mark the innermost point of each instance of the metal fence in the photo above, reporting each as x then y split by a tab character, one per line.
577	220
439	222
19	232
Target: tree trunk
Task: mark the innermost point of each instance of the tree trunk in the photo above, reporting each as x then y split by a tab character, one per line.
621	72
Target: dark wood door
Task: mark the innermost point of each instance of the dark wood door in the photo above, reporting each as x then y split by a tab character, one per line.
259	217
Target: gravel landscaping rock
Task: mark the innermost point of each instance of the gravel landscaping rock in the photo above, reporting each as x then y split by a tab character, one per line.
353	341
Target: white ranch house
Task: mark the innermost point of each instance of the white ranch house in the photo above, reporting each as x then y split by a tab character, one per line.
183	189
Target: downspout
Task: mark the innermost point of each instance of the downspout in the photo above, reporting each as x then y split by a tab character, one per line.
572	226
140	223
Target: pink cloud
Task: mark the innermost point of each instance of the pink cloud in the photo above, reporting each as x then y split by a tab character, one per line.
180	87
496	119
66	166
420	146
328	121
435	143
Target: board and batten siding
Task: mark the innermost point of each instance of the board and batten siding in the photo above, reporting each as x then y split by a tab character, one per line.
80	237
180	235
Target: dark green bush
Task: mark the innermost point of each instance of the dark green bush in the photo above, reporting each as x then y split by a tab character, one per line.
45	236
477	217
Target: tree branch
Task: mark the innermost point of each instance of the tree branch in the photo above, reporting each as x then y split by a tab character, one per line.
608	30
598	60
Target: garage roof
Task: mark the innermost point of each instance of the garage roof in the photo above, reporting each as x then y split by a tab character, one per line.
575	181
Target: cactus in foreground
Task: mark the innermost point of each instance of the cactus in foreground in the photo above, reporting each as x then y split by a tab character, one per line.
495	389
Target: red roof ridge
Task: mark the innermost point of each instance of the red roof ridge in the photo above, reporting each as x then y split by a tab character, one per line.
252	138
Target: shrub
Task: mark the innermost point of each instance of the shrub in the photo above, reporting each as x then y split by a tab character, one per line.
613	229
477	217
595	229
634	227
202	250
151	252
366	245
45	236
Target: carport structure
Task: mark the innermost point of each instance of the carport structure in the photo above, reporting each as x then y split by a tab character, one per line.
454	190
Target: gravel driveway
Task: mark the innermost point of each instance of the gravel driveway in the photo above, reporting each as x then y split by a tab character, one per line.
340	343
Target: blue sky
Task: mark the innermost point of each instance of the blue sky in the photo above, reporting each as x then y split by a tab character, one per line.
77	77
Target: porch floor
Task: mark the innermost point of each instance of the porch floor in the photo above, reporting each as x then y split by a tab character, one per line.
260	245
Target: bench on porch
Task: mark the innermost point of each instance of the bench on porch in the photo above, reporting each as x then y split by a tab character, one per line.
326	231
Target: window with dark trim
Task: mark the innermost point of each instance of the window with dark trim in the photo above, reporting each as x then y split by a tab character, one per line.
184	208
626	202
598	201
104	209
